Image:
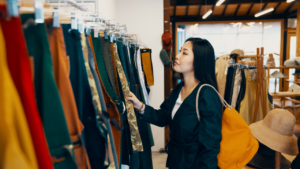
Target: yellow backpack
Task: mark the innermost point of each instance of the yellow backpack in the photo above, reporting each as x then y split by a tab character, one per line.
238	146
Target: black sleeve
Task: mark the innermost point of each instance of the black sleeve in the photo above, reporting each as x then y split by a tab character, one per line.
157	117
210	136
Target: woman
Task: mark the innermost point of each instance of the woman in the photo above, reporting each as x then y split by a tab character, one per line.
193	144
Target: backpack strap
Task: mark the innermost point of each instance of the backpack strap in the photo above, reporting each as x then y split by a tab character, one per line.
197	98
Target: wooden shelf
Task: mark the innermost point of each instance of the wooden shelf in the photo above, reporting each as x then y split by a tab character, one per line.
295	81
285	94
284	67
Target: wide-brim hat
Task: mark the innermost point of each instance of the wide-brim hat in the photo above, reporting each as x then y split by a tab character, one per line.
238	52
276	131
167	40
290	63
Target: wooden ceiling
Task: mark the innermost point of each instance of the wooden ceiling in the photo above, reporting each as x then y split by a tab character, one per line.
193	10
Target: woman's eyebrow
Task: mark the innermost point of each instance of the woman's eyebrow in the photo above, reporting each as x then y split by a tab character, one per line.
185	49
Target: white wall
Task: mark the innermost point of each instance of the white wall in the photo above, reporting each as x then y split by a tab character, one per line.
145	18
107	9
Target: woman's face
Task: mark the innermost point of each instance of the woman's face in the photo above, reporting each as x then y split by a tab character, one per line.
184	61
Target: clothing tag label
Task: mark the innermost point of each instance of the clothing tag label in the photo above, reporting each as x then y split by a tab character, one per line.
39	11
106	34
226	70
12	8
111	37
73	22
80	26
56	23
87	30
96	33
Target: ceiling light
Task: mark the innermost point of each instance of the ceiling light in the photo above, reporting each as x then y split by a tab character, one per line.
288	1
221	1
207	14
264	12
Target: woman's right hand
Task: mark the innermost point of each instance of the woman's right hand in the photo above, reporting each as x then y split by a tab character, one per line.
136	103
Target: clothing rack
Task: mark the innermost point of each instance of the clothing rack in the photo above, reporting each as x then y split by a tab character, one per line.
260	71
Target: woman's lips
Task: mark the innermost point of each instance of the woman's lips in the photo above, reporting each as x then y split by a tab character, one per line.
175	63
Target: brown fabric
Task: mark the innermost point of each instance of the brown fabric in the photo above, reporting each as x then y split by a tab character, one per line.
115	68
60	68
111	109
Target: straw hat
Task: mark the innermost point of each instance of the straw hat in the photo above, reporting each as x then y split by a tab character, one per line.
237	51
276	131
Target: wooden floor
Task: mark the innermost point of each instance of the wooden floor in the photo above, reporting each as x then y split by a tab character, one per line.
159	160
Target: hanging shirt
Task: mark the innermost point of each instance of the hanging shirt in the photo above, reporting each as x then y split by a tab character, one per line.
221	72
177	105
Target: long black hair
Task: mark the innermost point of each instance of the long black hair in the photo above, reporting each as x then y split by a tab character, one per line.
204	61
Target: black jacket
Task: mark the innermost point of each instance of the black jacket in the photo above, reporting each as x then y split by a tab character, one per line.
193	144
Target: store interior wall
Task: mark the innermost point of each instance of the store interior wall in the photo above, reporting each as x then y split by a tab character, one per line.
107	9
145	18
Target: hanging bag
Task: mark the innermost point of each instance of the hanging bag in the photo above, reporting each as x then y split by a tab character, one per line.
238	146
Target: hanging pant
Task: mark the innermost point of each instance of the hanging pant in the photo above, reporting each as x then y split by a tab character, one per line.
16	150
147	65
113	104
18	63
121	55
112	158
248	103
114	69
47	94
61	75
83	95
105	45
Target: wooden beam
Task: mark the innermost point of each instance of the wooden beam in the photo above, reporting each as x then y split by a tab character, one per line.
213	2
276	8
199	12
249	10
264	6
290	6
237	9
167	69
298	31
187	10
223	14
292	13
174	14
224	18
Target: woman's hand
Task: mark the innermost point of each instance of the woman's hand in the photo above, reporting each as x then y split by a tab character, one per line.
136	103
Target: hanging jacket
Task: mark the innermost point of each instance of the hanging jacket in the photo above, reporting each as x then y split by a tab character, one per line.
18	63
47	95
16	147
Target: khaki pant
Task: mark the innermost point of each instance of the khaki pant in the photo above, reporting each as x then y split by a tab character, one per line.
248	103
